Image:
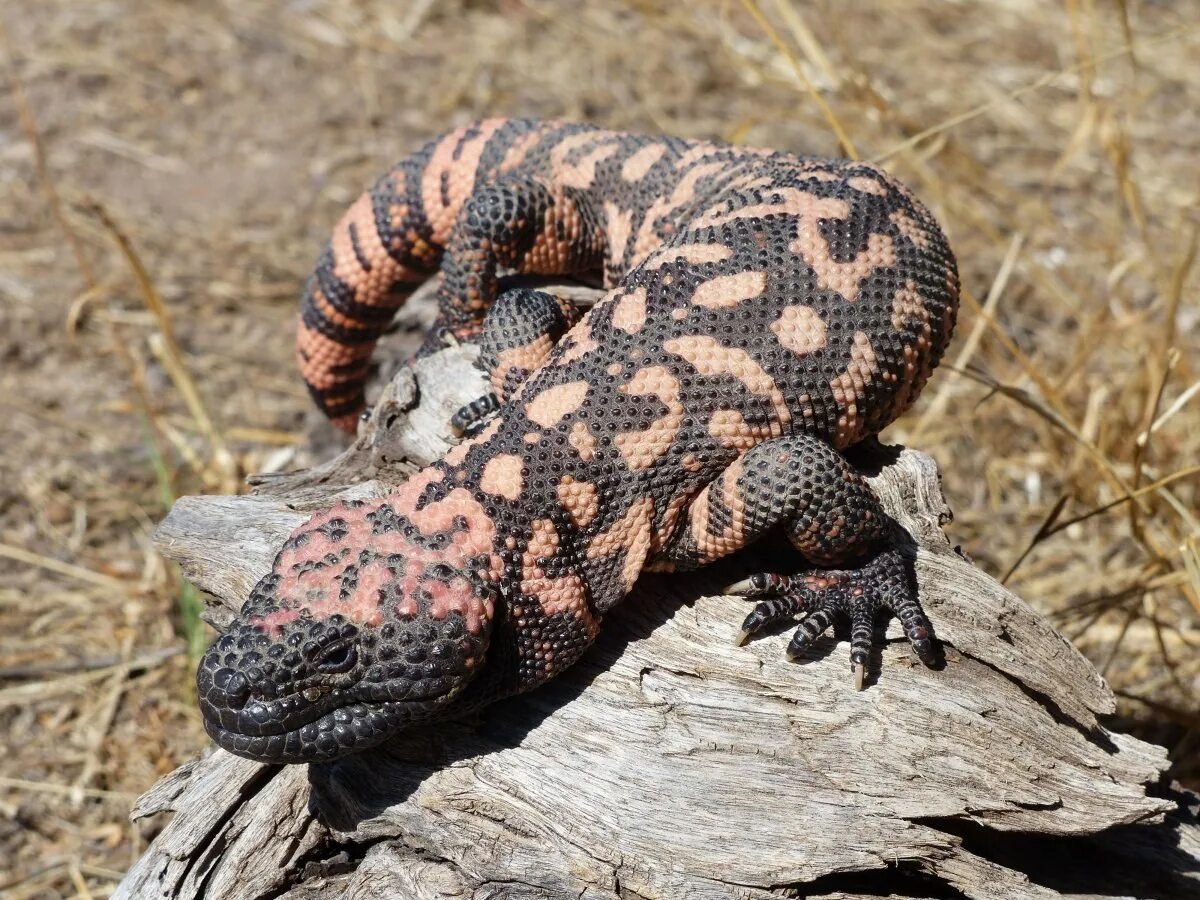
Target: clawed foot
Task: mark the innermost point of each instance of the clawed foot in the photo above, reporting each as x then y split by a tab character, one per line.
855	594
470	419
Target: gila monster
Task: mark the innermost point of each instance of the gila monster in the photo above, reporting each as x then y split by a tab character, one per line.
765	313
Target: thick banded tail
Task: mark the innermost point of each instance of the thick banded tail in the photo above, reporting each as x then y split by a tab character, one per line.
381	250
385	246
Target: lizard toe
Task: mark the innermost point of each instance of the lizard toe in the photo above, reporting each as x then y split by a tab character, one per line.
857	596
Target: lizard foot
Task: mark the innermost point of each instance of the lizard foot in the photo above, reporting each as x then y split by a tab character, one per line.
470	419
823	596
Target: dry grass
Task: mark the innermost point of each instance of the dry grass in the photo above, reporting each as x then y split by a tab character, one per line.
168	171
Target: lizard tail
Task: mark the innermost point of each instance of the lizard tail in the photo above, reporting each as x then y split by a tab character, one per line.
380	252
387	244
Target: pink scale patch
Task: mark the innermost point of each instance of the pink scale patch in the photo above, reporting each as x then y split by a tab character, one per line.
320	573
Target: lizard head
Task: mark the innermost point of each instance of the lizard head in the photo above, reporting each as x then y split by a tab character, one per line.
366	624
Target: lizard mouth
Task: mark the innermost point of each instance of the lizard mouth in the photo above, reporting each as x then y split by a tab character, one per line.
347	729
320	722
293	729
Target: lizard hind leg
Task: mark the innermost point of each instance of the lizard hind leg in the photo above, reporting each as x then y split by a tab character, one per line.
521	224
518	334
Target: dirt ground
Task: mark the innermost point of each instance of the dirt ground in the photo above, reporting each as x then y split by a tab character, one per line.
169	170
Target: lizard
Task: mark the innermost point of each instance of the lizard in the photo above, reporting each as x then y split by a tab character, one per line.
765	313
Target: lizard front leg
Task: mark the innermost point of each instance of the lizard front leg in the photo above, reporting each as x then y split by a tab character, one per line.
831	516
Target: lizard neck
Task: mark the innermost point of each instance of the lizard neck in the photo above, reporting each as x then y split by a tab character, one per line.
559	568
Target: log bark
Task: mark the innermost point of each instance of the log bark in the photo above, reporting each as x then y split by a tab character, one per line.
670	763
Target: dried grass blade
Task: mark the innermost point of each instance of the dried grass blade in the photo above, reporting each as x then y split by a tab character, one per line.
847	146
172	354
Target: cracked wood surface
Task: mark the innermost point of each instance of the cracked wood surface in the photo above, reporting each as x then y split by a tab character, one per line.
669	763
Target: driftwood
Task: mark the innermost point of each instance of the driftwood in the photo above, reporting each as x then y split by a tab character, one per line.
670	763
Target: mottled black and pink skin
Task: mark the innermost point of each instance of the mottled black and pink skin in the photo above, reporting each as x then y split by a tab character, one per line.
767	312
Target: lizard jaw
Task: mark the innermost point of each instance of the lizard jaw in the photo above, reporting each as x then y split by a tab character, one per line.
344	730
319	723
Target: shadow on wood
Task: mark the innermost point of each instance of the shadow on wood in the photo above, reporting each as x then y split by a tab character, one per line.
670	763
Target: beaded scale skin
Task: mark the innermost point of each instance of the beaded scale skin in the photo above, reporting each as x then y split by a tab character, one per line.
766	313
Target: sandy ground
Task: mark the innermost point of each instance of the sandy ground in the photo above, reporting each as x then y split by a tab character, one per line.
218	142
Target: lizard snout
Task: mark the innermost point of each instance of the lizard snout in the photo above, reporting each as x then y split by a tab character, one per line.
230	689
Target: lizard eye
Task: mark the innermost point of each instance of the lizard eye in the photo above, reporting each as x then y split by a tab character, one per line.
337	659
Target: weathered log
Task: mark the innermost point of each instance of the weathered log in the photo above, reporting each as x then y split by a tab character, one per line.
670	763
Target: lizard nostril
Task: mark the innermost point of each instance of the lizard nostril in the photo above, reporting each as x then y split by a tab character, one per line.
338	658
234	685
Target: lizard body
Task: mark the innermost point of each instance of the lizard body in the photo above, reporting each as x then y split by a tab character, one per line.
765	313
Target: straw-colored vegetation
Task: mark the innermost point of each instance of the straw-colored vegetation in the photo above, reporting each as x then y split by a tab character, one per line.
167	171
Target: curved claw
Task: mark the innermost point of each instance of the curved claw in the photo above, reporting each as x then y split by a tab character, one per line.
759	584
860	674
738	587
